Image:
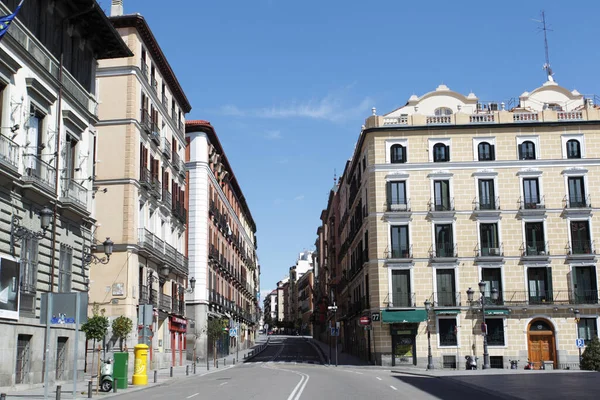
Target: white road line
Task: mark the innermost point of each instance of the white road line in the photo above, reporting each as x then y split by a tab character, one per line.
194	395
378	378
360	373
224	383
393	387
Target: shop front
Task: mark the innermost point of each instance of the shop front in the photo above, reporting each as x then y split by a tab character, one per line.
403	330
177	329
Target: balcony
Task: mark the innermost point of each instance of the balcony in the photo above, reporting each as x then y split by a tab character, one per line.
532	206
486	207
39	173
154	297
576	205
581	249
165	303
400	300
147	240
155	188
165	101
402	253
175	161
443	252
144	68
166	148
9	154
155	133
441	208
145	178
438	119
145	121
447	299
180	212
584	297
398	206
167	198
154	84
536	297
75	194
144	295
537	250
489	253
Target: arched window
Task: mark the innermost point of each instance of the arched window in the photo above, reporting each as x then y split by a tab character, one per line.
527	150
397	154
573	149
441	152
485	152
442	111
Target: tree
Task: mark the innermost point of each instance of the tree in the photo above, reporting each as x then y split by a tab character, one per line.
96	327
121	327
214	330
590	359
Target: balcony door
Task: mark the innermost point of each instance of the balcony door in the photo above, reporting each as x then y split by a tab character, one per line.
540	285
493	280
489	240
441	190
580	237
400	245
534	238
531	192
397	195
401	295
446	287
584	285
444	243
576	192
487	198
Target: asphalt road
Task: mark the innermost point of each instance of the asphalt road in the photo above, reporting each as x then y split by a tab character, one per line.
290	369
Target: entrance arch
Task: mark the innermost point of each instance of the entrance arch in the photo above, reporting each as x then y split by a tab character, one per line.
541	342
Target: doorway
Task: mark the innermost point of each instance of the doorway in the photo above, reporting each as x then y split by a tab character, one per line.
541	343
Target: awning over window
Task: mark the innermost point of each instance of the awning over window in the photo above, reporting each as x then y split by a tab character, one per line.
447	312
396	317
497	312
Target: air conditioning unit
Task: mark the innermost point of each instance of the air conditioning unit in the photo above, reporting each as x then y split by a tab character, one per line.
399	207
542	253
539	205
494	251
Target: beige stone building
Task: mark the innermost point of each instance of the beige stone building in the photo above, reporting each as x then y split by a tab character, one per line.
141	182
449	191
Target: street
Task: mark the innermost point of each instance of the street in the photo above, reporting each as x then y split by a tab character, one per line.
290	368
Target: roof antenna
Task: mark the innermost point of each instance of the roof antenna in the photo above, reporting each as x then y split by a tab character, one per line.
545	28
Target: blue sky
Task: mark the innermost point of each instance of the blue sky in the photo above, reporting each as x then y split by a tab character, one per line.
288	84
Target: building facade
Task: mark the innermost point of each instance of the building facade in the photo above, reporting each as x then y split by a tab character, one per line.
449	193
222	248
305	303
141	181
47	153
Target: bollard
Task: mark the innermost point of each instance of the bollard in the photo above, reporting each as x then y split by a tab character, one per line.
58	388
194	368
207	365
2	396
187	369
224	362
234	361
89	389
217	363
155	376
115	386
171	372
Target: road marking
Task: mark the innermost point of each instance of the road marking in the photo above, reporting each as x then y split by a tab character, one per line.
224	383
393	387
360	373
378	378
194	395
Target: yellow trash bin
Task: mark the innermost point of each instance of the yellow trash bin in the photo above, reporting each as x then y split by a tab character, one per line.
140	372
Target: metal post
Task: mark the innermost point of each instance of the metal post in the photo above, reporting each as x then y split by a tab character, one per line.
58	389
194	368
224	362
429	356
77	309
47	350
217	363
116	383
486	355
207	364
155	376
171	372
579	357
187	369
89	389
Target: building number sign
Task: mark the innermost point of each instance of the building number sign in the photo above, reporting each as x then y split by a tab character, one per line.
375	316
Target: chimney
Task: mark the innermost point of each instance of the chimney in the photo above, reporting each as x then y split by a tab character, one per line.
116	8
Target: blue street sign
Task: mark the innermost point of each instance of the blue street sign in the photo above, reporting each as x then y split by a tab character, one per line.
335	331
232	332
580	343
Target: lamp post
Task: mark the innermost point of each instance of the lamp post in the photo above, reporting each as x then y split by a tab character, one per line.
192	285
18	232
576	314
333	309
429	357
470	292
90	258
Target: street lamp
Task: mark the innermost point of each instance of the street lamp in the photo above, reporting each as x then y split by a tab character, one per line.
333	309
576	314
429	357
90	258
192	285
470	293
18	232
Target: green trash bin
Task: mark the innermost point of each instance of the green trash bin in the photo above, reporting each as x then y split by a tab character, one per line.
120	370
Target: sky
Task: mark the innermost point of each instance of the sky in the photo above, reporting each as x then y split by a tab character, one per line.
288	84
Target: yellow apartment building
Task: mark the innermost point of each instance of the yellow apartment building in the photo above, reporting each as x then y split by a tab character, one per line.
449	194
141	182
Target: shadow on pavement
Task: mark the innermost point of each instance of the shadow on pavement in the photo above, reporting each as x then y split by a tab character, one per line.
446	389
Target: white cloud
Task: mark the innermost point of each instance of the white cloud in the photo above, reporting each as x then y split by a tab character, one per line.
273	135
332	108
299	198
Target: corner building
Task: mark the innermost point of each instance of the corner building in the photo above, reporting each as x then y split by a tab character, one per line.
222	247
448	191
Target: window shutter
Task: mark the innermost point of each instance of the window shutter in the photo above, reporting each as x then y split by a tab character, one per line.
405	154
549	283
447	153
493	151
389	193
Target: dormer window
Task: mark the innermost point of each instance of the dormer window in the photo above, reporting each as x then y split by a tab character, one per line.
573	149
485	152
397	154
441	152
442	111
527	150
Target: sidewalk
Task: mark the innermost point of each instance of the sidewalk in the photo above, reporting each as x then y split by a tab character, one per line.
162	377
343	359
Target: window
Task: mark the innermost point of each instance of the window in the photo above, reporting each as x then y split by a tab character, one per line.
447	332
441	111
400	244
488	236
65	269
441	152
577	198
580	237
495	328
23	364
493	280
444	244
573	149
527	150
539	280
587	328
401	295
29	264
585	289
531	193
397	154
485	152
61	357
446	287
535	243
487	197
71	157
441	193
396	193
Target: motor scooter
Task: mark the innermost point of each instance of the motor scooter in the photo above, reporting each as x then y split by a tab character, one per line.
106	375
471	362
514	364
529	365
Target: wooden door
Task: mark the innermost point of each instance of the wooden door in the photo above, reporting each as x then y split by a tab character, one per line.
541	348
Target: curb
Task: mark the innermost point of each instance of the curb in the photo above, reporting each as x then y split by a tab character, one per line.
421	374
319	350
262	348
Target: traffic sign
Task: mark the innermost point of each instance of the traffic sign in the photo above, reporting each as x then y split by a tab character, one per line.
365	320
335	332
580	343
233	332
